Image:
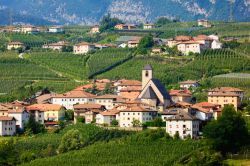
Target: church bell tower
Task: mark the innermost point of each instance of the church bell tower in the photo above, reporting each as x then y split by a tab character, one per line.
147	75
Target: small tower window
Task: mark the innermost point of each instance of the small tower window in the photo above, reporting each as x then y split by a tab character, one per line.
146	73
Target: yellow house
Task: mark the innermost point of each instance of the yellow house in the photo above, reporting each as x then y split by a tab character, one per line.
225	98
52	112
14	45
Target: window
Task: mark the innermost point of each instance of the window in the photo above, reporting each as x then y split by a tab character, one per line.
177	126
184	126
170	126
123	113
146	74
184	132
128	118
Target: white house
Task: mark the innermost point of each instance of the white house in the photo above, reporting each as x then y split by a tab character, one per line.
83	48
37	114
205	111
108	100
69	99
15	45
142	114
216	44
21	116
184	124
148	26
55	46
188	84
7	126
107	117
95	29
190	47
56	29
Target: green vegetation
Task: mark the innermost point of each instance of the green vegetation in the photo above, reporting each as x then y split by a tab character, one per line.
106	59
133	150
229	133
108	23
65	64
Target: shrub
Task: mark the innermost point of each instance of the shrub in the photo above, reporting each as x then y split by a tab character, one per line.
114	122
70	141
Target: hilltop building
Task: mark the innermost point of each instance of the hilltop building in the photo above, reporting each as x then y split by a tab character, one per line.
153	92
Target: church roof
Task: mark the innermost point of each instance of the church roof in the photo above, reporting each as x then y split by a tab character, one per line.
161	88
147	67
149	94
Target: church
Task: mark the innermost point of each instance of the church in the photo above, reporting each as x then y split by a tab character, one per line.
153	91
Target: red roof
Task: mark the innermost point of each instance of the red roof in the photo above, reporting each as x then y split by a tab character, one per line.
75	94
129	83
6	118
180	93
44	107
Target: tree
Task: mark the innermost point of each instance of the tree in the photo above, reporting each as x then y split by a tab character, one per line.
162	21
93	90
145	43
229	133
114	122
108	23
33	126
80	119
177	135
136	123
69	115
248	109
158	122
8	153
108	89
70	141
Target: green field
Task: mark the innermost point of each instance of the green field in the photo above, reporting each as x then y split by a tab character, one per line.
137	149
16	72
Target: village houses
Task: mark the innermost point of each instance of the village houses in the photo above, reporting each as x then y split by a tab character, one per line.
69	99
83	48
56	29
52	112
226	96
95	29
87	111
183	124
15	45
7	126
148	26
189	84
204	23
55	46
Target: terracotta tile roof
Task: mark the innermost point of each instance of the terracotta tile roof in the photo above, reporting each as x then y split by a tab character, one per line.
186	93
130	83
206	104
16	110
189	82
110	112
202	109
44	107
6	118
228	94
226	89
99	86
3	107
84	44
183	38
75	94
43	99
88	106
202	37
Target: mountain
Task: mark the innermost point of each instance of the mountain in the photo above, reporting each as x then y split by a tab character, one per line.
132	11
